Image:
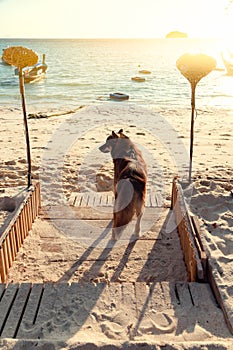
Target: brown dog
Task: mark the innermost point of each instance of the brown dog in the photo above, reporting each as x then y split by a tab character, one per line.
130	177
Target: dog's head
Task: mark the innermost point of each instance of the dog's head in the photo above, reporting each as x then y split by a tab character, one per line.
112	140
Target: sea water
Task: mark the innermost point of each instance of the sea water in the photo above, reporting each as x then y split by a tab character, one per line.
86	71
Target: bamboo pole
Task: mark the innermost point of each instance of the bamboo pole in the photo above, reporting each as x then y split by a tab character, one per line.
193	88
21	84
194	67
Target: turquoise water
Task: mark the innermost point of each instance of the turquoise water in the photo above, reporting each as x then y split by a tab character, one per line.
82	72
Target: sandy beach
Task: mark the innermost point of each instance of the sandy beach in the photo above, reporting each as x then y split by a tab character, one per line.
66	160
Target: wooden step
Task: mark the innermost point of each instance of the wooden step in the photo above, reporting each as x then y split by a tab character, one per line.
106	199
133	310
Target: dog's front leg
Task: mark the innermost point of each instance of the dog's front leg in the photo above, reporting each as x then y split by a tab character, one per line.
137	229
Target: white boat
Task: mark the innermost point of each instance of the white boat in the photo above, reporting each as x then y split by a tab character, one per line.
34	73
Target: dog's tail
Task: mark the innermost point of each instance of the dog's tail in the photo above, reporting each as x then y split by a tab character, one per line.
128	201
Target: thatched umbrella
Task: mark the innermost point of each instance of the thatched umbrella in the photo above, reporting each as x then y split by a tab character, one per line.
194	67
21	57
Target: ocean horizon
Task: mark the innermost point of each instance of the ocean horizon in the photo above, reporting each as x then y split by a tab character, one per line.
86	71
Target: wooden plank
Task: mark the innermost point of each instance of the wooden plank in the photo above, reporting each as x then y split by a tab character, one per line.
157	301
77	201
31	311
200	294
103	199
2	266
21	224
91	202
2	290
110	199
47	302
183	294
16	238
29	209
13	243
153	199
84	200
9	251
142	293
148	200
6	304
217	293
5	254
27	219
129	298
16	311
203	254
38	197
24	226
18	234
159	199
32	200
169	294
84	297
72	198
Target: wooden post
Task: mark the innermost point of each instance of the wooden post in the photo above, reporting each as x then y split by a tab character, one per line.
193	87
21	84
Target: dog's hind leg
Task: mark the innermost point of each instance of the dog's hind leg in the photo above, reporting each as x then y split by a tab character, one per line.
139	212
123	207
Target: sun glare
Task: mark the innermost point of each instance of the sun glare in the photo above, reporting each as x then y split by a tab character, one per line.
106	19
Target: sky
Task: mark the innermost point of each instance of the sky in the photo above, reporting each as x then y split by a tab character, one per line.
114	18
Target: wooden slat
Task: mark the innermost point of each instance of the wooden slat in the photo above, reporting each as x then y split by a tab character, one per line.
142	291
6	259
6	304
29	213
47	302
13	243
16	312
38	197
26	218
31	311
73	198
2	266
148	200
159	199
103	199
9	251
183	294
18	234
33	205
153	199
227	310
21	224
2	290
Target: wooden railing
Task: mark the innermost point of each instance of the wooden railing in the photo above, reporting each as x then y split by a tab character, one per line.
193	250
13	235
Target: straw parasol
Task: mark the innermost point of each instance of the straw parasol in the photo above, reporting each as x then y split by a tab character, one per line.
194	67
21	57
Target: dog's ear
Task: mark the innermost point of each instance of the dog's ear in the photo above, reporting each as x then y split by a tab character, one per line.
123	136
114	135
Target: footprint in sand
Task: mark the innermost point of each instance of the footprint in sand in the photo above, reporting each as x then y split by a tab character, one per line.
164	324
